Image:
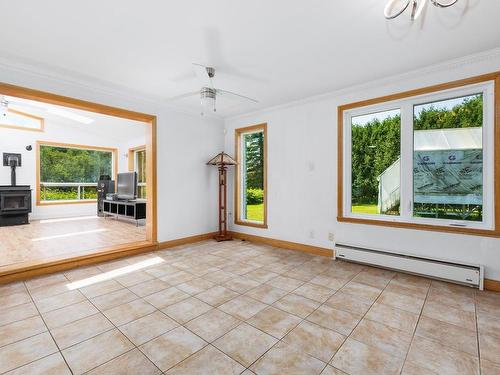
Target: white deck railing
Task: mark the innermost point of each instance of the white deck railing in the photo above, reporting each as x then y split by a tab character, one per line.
80	188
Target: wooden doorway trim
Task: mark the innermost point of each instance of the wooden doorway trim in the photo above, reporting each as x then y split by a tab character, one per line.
151	147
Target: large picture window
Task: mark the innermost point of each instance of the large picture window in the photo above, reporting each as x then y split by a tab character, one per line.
420	160
251	176
69	173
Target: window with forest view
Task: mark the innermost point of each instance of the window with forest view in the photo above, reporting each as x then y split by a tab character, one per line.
423	159
251	166
70	173
376	139
140	168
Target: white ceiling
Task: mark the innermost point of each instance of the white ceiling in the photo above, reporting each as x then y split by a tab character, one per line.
274	50
105	127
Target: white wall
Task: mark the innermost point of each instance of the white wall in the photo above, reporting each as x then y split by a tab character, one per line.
123	151
187	188
302	173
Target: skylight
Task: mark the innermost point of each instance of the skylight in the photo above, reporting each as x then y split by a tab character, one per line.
70	115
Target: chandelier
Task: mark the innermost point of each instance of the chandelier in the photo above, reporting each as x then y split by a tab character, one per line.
395	8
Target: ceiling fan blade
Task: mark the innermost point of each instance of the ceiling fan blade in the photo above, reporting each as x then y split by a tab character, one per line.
187	95
202	74
229	93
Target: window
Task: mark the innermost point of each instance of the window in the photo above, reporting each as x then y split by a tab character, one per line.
375	166
69	173
137	163
448	159
13	119
140	162
251	176
424	160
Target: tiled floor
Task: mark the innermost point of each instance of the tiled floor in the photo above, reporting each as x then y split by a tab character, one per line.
60	238
243	308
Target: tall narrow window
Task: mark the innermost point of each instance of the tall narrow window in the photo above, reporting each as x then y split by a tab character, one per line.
140	163
137	163
250	197
376	166
69	173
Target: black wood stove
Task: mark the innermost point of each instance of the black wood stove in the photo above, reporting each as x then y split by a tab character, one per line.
15	200
15	205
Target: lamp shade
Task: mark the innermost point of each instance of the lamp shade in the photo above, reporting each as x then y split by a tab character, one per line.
208	96
222	159
207	105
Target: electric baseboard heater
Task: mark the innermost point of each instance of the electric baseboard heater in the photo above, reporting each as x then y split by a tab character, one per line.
461	273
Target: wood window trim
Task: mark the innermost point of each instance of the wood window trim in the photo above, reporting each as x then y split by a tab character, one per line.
237	175
39	202
41	120
495	77
131	156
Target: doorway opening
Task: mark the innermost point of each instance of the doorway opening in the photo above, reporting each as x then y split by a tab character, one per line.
77	184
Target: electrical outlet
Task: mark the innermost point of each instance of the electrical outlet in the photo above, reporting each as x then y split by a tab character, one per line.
330	237
311	234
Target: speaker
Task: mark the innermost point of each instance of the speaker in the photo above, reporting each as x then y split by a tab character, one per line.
103	187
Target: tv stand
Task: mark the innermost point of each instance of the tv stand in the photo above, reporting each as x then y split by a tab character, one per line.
129	209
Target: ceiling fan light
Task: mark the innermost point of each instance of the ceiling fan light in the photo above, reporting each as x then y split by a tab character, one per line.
207	98
207	105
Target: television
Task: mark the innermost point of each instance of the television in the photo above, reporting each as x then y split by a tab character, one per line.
126	186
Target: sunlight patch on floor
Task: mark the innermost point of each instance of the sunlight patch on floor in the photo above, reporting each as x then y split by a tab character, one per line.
68	235
115	273
64	219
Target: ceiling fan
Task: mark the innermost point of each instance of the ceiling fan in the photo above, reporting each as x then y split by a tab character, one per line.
209	93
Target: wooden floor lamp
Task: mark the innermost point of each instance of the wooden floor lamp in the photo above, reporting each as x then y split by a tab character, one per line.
222	160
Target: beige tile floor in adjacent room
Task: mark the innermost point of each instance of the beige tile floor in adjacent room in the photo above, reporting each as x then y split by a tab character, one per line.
55	238
243	308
